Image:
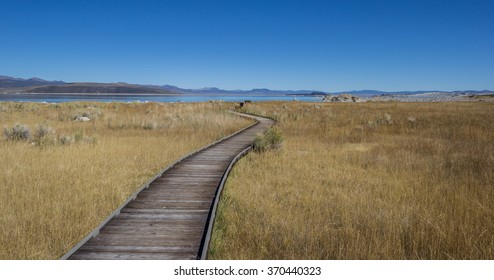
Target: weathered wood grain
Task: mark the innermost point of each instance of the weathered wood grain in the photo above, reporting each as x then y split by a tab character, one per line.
168	220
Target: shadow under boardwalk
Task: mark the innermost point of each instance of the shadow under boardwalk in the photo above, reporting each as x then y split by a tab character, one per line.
168	219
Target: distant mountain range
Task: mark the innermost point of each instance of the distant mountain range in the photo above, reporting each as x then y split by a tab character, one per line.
214	90
37	85
9	82
103	88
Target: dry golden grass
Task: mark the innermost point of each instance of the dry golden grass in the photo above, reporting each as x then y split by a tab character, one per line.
365	181
53	194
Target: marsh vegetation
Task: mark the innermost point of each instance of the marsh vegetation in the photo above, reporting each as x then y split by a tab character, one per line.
65	167
364	181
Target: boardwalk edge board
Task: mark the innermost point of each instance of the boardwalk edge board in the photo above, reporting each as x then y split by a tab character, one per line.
204	248
96	231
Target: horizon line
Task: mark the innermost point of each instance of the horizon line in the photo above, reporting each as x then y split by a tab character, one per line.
252	89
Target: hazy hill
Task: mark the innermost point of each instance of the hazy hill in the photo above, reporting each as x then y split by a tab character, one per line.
10	82
257	91
37	85
107	88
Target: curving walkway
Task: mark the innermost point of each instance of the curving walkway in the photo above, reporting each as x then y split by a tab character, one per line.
169	219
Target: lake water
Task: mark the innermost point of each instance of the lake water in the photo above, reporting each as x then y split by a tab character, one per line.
57	98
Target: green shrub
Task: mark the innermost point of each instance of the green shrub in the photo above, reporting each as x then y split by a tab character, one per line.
44	135
271	139
19	132
65	140
79	136
149	125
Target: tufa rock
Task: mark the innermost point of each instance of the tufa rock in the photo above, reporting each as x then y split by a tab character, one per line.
344	97
82	119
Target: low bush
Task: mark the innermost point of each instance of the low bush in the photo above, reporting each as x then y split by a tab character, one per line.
65	140
19	132
44	135
271	139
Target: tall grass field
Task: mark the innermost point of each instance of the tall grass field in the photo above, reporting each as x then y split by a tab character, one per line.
65	167
364	181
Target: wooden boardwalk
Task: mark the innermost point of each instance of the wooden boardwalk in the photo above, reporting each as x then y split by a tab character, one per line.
170	218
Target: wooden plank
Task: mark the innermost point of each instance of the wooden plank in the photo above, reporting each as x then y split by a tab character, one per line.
131	256
164	223
115	240
139	249
182	196
169	219
152	204
164	211
146	236
164	216
180	190
163	230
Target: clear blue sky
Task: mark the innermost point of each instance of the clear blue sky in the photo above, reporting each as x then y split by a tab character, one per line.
299	44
